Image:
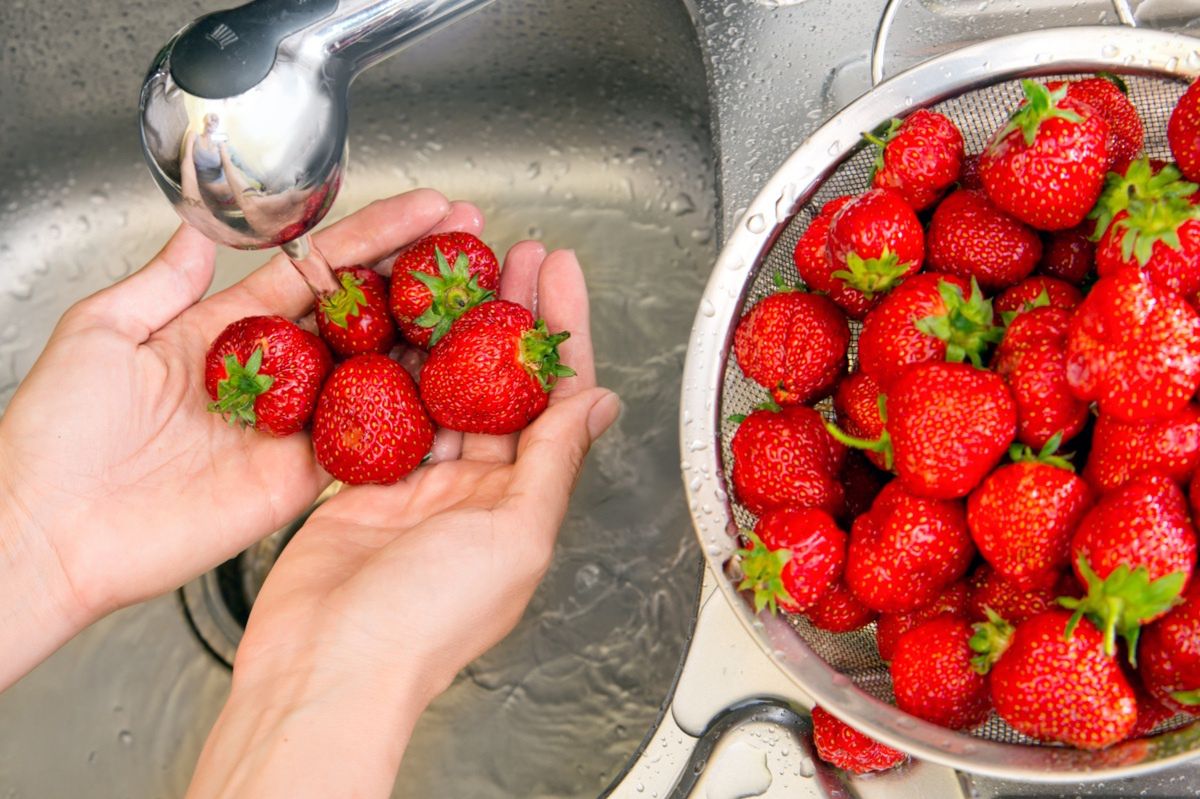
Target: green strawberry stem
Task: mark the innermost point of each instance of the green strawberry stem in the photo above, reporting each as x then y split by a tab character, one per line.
345	302
766	405
966	326
882	444
1120	603
1042	300
1048	454
873	276
240	388
1115	80
1189	698
1140	191
455	291
989	641
539	355
879	138
762	570
1040	105
781	284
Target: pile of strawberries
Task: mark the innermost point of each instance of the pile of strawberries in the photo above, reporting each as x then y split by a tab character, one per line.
489	369
1005	493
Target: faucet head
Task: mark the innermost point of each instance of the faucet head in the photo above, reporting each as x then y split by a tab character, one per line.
252	159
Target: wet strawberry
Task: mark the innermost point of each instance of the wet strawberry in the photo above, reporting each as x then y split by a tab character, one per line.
1183	132
919	157
839	611
875	241
970	237
857	404
1169	655
786	458
794	558
1124	450
265	372
847	748
1107	94
891	627
1038	291
933	678
906	550
356	320
1068	255
811	257
438	279
794	345
990	589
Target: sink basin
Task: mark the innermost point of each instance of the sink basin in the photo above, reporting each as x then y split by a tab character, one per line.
579	123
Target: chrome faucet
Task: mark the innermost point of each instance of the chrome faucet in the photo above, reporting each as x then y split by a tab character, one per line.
243	114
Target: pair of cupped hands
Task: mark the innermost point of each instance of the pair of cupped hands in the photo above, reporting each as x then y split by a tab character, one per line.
116	485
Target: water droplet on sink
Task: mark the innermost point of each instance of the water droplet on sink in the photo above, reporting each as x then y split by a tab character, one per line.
707	308
125	737
756	223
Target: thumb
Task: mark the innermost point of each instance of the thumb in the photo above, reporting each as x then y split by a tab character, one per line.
550	456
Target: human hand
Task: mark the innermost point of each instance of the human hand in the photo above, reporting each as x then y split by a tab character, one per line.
116	483
387	592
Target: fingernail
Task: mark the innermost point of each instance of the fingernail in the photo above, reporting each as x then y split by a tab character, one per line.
603	413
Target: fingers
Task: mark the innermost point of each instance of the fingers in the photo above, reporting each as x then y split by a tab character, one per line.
169	284
550	457
464	217
563	303
518	283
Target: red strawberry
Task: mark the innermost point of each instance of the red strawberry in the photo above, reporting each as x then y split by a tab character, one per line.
891	627
857	404
794	345
839	611
493	372
1032	360
1169	655
1022	516
1036	292
795	556
1056	686
437	280
356	320
1124	450
875	241
1069	254
1046	167
1134	551
990	589
1194	495
918	157
1183	132
969	177
906	550
1107	95
847	748
265	372
370	426
786	458
811	255
970	237
1134	347
930	317
933	678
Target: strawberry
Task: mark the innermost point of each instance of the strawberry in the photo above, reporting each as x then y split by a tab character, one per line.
947	425
1022	516
1124	450
1046	167
930	317
891	627
355	319
811	255
265	372
857	402
493	372
794	345
839	611
990	589
918	157
1150	712
1183	132
1068	255
970	237
1107	95
1169	655
875	241
795	556
785	458
370	426
1032	360
1134	551
969	177
845	747
1056	685
933	678
1038	291
906	550
1134	347
436	280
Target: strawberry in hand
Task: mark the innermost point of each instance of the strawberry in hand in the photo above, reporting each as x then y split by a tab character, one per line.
437	280
918	157
355	320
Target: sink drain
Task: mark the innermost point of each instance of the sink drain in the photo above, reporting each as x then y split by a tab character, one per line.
217	604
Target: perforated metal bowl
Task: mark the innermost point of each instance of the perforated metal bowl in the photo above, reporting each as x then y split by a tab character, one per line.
976	86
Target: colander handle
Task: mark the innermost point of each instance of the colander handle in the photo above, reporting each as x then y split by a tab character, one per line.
883	33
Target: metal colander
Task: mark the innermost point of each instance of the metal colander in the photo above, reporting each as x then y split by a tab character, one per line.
977	87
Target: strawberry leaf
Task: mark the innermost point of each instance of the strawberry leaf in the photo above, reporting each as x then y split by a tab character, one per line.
1189	698
966	325
347	301
1040	105
1048	454
240	388
989	641
873	276
539	355
454	291
762	570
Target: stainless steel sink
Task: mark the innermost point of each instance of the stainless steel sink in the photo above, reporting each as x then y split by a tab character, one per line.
583	124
